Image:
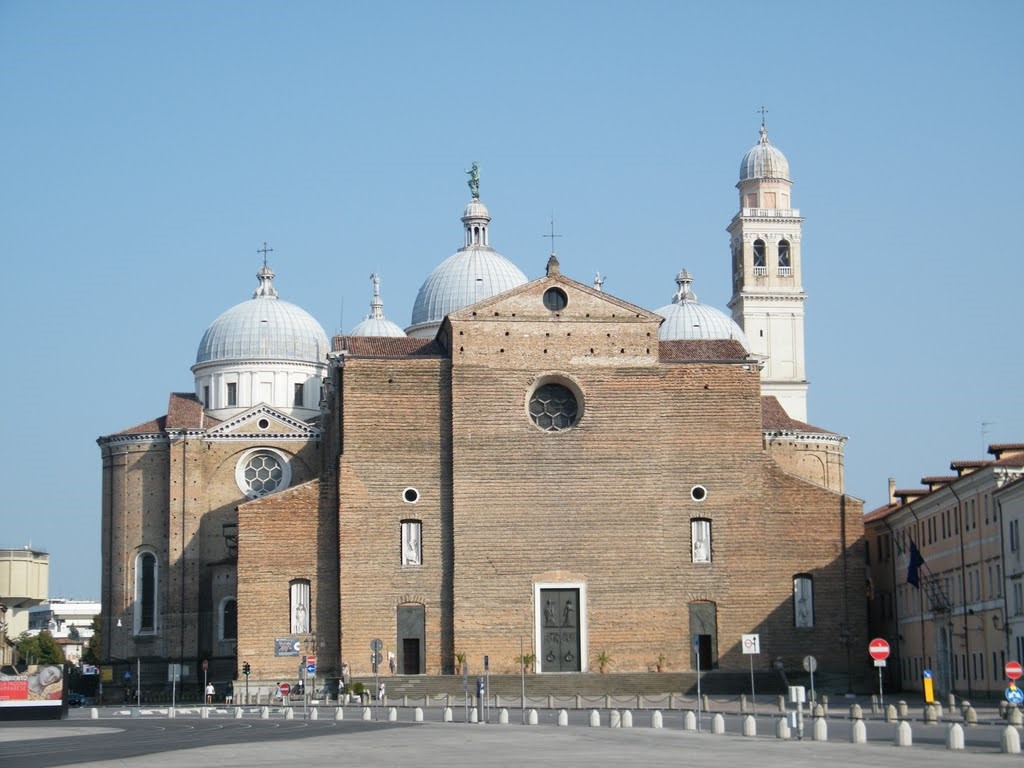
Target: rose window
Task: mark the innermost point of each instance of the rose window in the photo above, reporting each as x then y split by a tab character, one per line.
263	474
553	407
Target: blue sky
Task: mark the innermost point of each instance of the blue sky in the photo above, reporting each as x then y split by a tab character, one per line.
149	149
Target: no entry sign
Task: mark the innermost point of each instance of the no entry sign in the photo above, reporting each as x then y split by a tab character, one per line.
878	649
1014	670
285	689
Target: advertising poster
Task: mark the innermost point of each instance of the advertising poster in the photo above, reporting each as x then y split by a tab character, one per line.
38	687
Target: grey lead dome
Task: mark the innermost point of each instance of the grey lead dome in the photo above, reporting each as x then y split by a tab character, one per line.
763	161
687	318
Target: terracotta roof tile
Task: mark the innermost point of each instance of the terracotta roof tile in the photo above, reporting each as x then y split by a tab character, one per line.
383	346
910	493
147	427
934	480
998	449
700	349
968	464
775	418
184	411
881	512
1014	460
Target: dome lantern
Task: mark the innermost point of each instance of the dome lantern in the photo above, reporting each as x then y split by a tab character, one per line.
687	318
375	324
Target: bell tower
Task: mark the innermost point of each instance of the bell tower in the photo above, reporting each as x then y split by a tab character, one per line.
767	292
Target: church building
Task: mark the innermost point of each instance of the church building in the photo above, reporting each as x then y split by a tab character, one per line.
532	463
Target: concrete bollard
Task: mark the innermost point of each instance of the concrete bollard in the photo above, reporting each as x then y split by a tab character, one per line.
951	701
265	713
238	713
551	702
824	704
393	714
417	715
1003	709
135	712
859	733
446	715
314	714
706	703
955	736
971	718
938	709
474	716
743	703
929	714
856	713
595	718
627	719
656	720
890	714
904	737
204	713
503	717
718	724
964	706
367	714
782	704
563	718
579	702
902	710
289	714
171	713
339	713
689	721
531	717
818	711
782	729
820	730
1009	741
614	719
94	714
1015	718
607	701
749	726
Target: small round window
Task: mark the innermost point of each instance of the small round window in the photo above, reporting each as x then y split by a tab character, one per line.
555	299
410	495
263	424
261	472
554	407
698	493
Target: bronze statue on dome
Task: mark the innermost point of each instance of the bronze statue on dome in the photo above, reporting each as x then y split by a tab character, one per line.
474	181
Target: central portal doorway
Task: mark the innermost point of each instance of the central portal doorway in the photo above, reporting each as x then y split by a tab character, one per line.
411	632
560	630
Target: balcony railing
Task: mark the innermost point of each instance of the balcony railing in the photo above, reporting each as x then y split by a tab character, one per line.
761	271
785	271
772	213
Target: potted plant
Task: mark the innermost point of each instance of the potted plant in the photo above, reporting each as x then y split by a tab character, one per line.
661	664
460	661
603	661
527	661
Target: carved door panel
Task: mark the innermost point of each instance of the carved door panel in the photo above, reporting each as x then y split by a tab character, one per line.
560	630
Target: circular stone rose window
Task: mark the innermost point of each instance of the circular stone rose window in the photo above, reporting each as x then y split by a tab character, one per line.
554	407
262	471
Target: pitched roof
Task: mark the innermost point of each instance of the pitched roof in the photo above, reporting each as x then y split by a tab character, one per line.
775	419
687	350
998	449
881	512
386	346
147	427
184	411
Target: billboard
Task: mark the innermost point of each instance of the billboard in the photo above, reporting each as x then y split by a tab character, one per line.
39	688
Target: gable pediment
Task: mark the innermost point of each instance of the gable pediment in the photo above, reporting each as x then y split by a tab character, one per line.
262	422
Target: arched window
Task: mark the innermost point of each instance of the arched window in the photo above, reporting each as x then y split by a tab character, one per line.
760	262
412	542
803	600
700	540
146	583
785	260
299	607
228	619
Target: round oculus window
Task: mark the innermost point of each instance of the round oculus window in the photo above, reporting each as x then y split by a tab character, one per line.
263	424
410	495
261	472
698	493
555	299
554	407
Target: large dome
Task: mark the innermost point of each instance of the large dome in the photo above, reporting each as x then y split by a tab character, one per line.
264	328
763	161
687	318
473	273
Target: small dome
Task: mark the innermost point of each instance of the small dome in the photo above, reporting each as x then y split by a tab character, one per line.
375	324
687	318
264	328
763	161
475	209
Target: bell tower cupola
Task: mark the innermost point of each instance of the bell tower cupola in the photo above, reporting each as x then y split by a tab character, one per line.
767	292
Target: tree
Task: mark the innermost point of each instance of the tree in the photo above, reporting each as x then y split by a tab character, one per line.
91	654
40	649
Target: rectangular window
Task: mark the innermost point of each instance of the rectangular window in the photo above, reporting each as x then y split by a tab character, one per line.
752	200
956	666
412	542
999	580
803	601
700	540
206	395
1018	598
1014	536
298	399
985	507
232	394
299	607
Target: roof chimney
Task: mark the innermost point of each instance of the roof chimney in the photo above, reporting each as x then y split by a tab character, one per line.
892	490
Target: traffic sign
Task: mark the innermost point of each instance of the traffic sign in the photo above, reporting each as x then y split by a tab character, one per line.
1014	695
376	644
751	644
810	664
285	689
927	674
376	658
1014	670
206	665
878	649
311	669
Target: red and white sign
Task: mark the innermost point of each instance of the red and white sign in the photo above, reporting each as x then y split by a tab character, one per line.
878	649
311	660
1014	670
285	689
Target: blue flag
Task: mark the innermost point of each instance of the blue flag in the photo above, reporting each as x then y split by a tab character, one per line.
914	569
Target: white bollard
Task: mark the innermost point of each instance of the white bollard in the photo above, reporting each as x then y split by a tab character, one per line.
971	716
367	714
417	715
1014	718
955	736
689	721
238	713
749	726
314	714
339	713
474	716
930	715
627	719
718	724
446	715
289	714
94	714
614	719
204	713
532	718
890	714
595	718
656	721
171	712
820	730
859	733
393	714
503	717
1009	741
856	713
265	713
135	712
782	729
904	737
902	710
563	718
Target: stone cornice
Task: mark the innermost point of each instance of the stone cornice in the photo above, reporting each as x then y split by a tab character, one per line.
801	436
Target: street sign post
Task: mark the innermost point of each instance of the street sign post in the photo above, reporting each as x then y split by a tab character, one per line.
929	687
878	649
752	647
696	653
285	690
811	665
375	646
1014	670
1014	695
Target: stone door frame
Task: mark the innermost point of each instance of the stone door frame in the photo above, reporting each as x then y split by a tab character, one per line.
538	625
